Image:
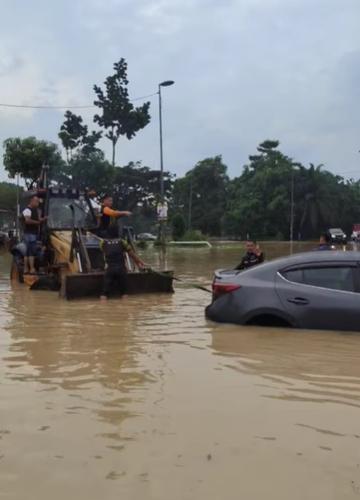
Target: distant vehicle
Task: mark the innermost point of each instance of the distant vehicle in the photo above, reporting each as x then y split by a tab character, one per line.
146	237
355	235
314	290
337	235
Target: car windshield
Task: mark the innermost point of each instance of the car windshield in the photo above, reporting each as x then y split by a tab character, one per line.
66	213
336	231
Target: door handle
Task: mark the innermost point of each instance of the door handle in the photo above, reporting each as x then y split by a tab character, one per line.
299	301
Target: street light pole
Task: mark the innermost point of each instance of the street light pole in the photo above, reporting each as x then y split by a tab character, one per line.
190	204
161	150
166	83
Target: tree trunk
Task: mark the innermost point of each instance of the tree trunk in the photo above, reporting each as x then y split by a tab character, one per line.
113	154
114	141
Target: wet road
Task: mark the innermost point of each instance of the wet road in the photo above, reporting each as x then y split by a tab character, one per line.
144	398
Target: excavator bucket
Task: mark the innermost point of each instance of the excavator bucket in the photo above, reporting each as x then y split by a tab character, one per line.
81	285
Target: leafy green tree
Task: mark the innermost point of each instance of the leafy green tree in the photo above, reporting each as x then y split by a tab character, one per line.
26	157
201	195
259	200
178	226
90	171
75	137
136	185
8	196
118	115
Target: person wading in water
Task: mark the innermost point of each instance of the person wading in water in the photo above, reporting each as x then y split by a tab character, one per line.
253	256
115	276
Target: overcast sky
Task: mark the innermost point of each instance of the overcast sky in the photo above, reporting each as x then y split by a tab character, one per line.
245	70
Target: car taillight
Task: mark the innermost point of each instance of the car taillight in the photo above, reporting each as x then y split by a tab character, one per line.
222	288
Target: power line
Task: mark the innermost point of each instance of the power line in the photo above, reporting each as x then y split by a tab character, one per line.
76	106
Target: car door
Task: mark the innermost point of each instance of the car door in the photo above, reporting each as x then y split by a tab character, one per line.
324	296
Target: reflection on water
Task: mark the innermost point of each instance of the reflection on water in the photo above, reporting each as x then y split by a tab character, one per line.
300	365
144	398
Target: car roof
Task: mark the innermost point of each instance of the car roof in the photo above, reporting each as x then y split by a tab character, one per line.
267	269
314	257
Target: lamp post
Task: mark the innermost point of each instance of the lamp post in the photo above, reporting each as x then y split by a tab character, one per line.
166	83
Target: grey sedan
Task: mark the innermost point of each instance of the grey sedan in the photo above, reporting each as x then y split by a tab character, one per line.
319	290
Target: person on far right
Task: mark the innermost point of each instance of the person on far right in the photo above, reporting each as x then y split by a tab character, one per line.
253	256
324	243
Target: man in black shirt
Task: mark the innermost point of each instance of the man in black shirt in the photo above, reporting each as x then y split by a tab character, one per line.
115	276
253	256
32	223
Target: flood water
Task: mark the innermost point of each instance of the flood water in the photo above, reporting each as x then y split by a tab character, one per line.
143	398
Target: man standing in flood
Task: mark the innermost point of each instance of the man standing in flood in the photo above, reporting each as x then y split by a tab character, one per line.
32	222
115	276
108	216
253	256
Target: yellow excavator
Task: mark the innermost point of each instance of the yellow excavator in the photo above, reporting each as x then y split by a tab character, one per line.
70	259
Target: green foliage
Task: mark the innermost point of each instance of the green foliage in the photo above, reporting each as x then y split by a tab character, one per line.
193	235
90	171
27	156
205	200
259	200
201	194
75	137
8	196
118	115
136	185
178	226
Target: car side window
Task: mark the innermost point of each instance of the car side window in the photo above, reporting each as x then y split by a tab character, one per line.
295	275
334	278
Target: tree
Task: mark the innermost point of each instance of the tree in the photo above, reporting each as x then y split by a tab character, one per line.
26	157
201	195
8	196
75	137
118	115
89	171
178	226
137	185
259	200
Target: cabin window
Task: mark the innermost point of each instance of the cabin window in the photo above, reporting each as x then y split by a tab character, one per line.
66	213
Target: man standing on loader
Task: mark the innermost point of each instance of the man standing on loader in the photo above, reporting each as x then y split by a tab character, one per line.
32	222
108	217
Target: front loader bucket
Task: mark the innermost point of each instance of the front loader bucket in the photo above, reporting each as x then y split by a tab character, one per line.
76	286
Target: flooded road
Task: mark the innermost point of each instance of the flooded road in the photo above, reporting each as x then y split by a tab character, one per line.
143	398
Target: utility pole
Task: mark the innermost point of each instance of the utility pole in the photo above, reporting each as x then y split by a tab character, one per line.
190	204
162	222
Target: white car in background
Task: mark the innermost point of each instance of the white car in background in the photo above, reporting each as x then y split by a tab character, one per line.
146	237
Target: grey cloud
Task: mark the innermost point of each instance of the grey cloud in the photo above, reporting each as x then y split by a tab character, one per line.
245	70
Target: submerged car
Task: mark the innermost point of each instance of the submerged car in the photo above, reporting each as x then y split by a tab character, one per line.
316	290
337	235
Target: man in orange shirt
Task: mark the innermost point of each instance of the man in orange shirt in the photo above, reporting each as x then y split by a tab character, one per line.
108	215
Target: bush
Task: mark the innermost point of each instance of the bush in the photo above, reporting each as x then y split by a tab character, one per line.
193	235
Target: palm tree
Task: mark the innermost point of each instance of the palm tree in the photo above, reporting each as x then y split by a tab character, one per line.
318	209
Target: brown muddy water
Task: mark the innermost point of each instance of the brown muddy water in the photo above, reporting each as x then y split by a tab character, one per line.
143	398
